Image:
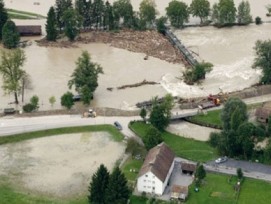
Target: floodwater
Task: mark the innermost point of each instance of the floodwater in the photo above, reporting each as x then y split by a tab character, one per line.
257	7
51	68
229	49
61	165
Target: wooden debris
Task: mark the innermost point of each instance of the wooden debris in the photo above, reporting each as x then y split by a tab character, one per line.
144	82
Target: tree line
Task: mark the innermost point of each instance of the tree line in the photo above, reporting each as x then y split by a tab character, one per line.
239	137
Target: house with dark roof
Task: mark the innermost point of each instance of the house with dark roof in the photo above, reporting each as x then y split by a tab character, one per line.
188	168
29	30
155	172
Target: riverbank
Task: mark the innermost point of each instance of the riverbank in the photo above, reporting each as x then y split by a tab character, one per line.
149	42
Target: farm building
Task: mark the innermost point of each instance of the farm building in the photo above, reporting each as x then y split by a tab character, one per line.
179	192
29	30
156	170
188	168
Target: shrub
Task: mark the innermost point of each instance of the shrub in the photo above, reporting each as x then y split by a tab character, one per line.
28	108
258	20
35	101
214	139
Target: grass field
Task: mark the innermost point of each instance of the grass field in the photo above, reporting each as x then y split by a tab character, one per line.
16	14
116	135
134	165
13	194
212	117
183	147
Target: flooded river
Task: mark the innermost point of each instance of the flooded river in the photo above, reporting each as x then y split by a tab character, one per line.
229	49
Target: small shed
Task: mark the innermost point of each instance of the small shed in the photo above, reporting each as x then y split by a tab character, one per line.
29	30
188	168
263	114
179	192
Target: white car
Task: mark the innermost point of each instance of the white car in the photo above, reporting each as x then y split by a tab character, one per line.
221	160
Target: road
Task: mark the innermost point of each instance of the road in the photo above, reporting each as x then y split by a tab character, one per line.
250	169
12	125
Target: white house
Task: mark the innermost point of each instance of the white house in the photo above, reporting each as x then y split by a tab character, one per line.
156	170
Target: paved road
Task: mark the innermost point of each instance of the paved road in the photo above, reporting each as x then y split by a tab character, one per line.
250	169
11	125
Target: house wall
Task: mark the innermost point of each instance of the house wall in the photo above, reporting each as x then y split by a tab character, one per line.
168	175
149	183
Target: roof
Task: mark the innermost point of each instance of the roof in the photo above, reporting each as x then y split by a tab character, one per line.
179	189
158	161
188	167
179	192
29	29
263	113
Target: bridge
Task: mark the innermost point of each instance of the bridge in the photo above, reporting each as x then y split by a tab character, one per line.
183	114
185	52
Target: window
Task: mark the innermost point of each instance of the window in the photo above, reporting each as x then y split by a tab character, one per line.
144	186
144	180
146	175
153	182
153	188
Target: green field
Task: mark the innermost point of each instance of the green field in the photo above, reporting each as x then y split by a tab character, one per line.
131	168
211	118
183	147
116	135
16	14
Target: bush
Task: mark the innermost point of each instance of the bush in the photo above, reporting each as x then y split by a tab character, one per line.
29	108
35	101
214	139
258	20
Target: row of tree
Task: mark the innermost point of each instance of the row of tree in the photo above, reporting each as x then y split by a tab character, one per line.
97	14
222	13
108	188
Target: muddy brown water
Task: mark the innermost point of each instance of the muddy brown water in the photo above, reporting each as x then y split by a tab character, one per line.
229	49
61	165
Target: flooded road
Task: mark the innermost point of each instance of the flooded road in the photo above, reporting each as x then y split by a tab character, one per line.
60	165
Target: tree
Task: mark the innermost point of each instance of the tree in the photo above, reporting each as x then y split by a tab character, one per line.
258	20
60	7
160	24
267	151
51	27
177	13
123	9
12	74
152	138
234	106
224	12
85	77
10	35
200	172
97	13
200	8
263	60
34	100
67	100
134	147
83	8
198	73
98	185
143	113
239	173
52	100
147	12
3	17
72	23
109	17
243	15
117	191
161	113
246	131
